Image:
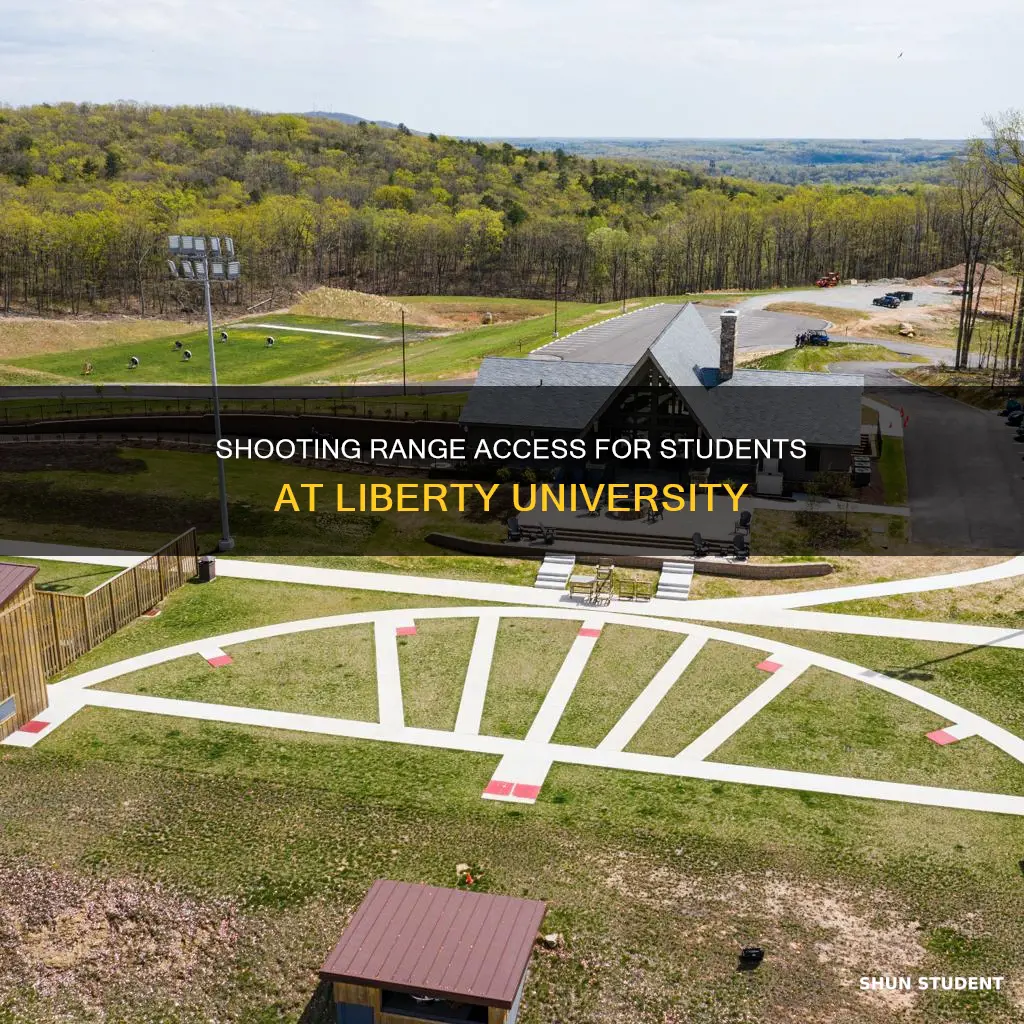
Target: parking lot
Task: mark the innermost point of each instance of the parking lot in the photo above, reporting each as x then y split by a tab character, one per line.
854	296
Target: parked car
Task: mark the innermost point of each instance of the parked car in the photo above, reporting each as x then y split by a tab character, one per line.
902	296
889	301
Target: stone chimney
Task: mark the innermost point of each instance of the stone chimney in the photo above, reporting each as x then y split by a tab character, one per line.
727	345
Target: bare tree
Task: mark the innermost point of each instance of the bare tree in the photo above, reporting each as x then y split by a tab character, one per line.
1004	160
976	203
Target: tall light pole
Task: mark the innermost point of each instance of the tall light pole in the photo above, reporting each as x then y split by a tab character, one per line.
200	260
403	351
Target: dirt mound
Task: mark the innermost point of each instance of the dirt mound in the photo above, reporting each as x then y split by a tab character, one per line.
342	304
994	277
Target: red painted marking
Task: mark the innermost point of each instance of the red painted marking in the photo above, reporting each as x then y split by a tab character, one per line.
34	726
941	737
769	666
221	659
405	631
496	788
526	791
588	631
152	613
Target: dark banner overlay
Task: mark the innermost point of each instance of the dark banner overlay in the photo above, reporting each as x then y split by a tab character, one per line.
803	468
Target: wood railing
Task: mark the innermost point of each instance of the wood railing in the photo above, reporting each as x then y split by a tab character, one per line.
68	625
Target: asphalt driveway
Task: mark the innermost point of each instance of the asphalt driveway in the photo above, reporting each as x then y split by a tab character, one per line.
965	476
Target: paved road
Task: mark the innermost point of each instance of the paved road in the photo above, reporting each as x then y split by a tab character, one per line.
965	475
624	339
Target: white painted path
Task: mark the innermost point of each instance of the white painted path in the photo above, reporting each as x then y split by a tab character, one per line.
737	717
292	329
653	694
478	673
768	610
525	763
551	711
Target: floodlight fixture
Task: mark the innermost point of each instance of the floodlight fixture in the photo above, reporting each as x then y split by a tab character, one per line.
229	247
174	244
188	245
173	268
200	267
217	270
200	245
234	270
188	270
214	246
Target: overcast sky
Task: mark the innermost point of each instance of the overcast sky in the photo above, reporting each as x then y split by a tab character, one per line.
677	68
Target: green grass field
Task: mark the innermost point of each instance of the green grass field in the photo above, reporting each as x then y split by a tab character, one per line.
328	672
300	356
65	577
234	855
157	491
816	359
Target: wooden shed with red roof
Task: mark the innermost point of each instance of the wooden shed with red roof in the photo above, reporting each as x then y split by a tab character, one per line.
22	682
415	953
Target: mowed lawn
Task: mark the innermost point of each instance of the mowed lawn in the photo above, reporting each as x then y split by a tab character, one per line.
433	665
717	679
301	355
157	492
65	577
527	656
244	358
817	359
832	725
327	672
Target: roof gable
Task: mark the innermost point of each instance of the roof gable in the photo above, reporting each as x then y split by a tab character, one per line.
426	940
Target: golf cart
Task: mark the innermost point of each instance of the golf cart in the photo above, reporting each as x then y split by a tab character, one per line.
818	337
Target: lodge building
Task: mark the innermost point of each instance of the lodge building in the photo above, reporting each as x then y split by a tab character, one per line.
682	384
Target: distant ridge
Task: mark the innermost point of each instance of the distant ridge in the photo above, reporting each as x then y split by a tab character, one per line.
332	115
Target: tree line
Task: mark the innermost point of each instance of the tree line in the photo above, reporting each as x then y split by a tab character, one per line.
989	190
88	193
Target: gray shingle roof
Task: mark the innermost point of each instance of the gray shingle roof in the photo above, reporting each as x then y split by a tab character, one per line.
820	408
539	393
825	410
685	351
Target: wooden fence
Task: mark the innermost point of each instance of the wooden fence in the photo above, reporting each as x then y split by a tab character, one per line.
68	625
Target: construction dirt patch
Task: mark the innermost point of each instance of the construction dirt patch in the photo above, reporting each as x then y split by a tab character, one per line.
847	932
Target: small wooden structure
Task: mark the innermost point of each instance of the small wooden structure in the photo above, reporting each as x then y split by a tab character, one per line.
415	953
22	683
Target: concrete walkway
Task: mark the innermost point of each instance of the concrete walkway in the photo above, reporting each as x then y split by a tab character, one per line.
525	763
474	690
737	717
551	711
768	610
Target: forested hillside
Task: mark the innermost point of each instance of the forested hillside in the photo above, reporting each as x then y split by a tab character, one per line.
784	161
87	192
